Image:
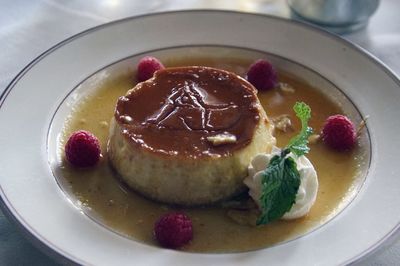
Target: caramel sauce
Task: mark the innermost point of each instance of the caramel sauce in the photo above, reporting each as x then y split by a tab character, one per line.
101	196
174	112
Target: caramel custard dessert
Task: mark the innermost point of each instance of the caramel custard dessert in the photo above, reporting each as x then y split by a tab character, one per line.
179	140
187	135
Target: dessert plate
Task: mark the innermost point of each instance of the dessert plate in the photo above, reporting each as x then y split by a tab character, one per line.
32	197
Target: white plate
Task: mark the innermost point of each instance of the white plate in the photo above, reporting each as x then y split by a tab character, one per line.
31	195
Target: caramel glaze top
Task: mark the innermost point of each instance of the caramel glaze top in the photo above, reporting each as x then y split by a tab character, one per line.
174	112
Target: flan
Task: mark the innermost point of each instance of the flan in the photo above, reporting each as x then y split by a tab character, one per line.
187	135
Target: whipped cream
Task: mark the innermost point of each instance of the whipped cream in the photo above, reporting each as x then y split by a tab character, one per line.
307	193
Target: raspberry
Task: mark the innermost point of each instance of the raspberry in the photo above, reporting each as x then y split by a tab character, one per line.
82	149
173	230
339	133
262	75
147	66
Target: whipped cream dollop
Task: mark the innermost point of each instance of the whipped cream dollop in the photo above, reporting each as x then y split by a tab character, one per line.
307	193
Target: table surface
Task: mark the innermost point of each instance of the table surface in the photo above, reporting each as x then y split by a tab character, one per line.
28	28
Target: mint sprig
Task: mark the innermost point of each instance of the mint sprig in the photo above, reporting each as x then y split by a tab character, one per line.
298	144
281	179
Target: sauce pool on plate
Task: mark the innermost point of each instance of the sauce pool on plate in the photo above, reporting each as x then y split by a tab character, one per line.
103	197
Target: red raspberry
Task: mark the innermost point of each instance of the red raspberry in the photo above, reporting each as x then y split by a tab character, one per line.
262	75
147	66
339	133
173	230
82	149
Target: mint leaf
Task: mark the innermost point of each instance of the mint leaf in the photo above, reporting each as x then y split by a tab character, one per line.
280	184
298	144
281	179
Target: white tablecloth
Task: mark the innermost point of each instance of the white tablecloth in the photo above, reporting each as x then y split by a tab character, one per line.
28	28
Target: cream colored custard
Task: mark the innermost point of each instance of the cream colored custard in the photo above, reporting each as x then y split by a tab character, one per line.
168	148
101	195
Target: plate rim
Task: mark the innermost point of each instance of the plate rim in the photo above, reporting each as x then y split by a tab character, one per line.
62	256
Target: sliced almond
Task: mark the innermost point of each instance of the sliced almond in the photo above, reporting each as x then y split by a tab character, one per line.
223	138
